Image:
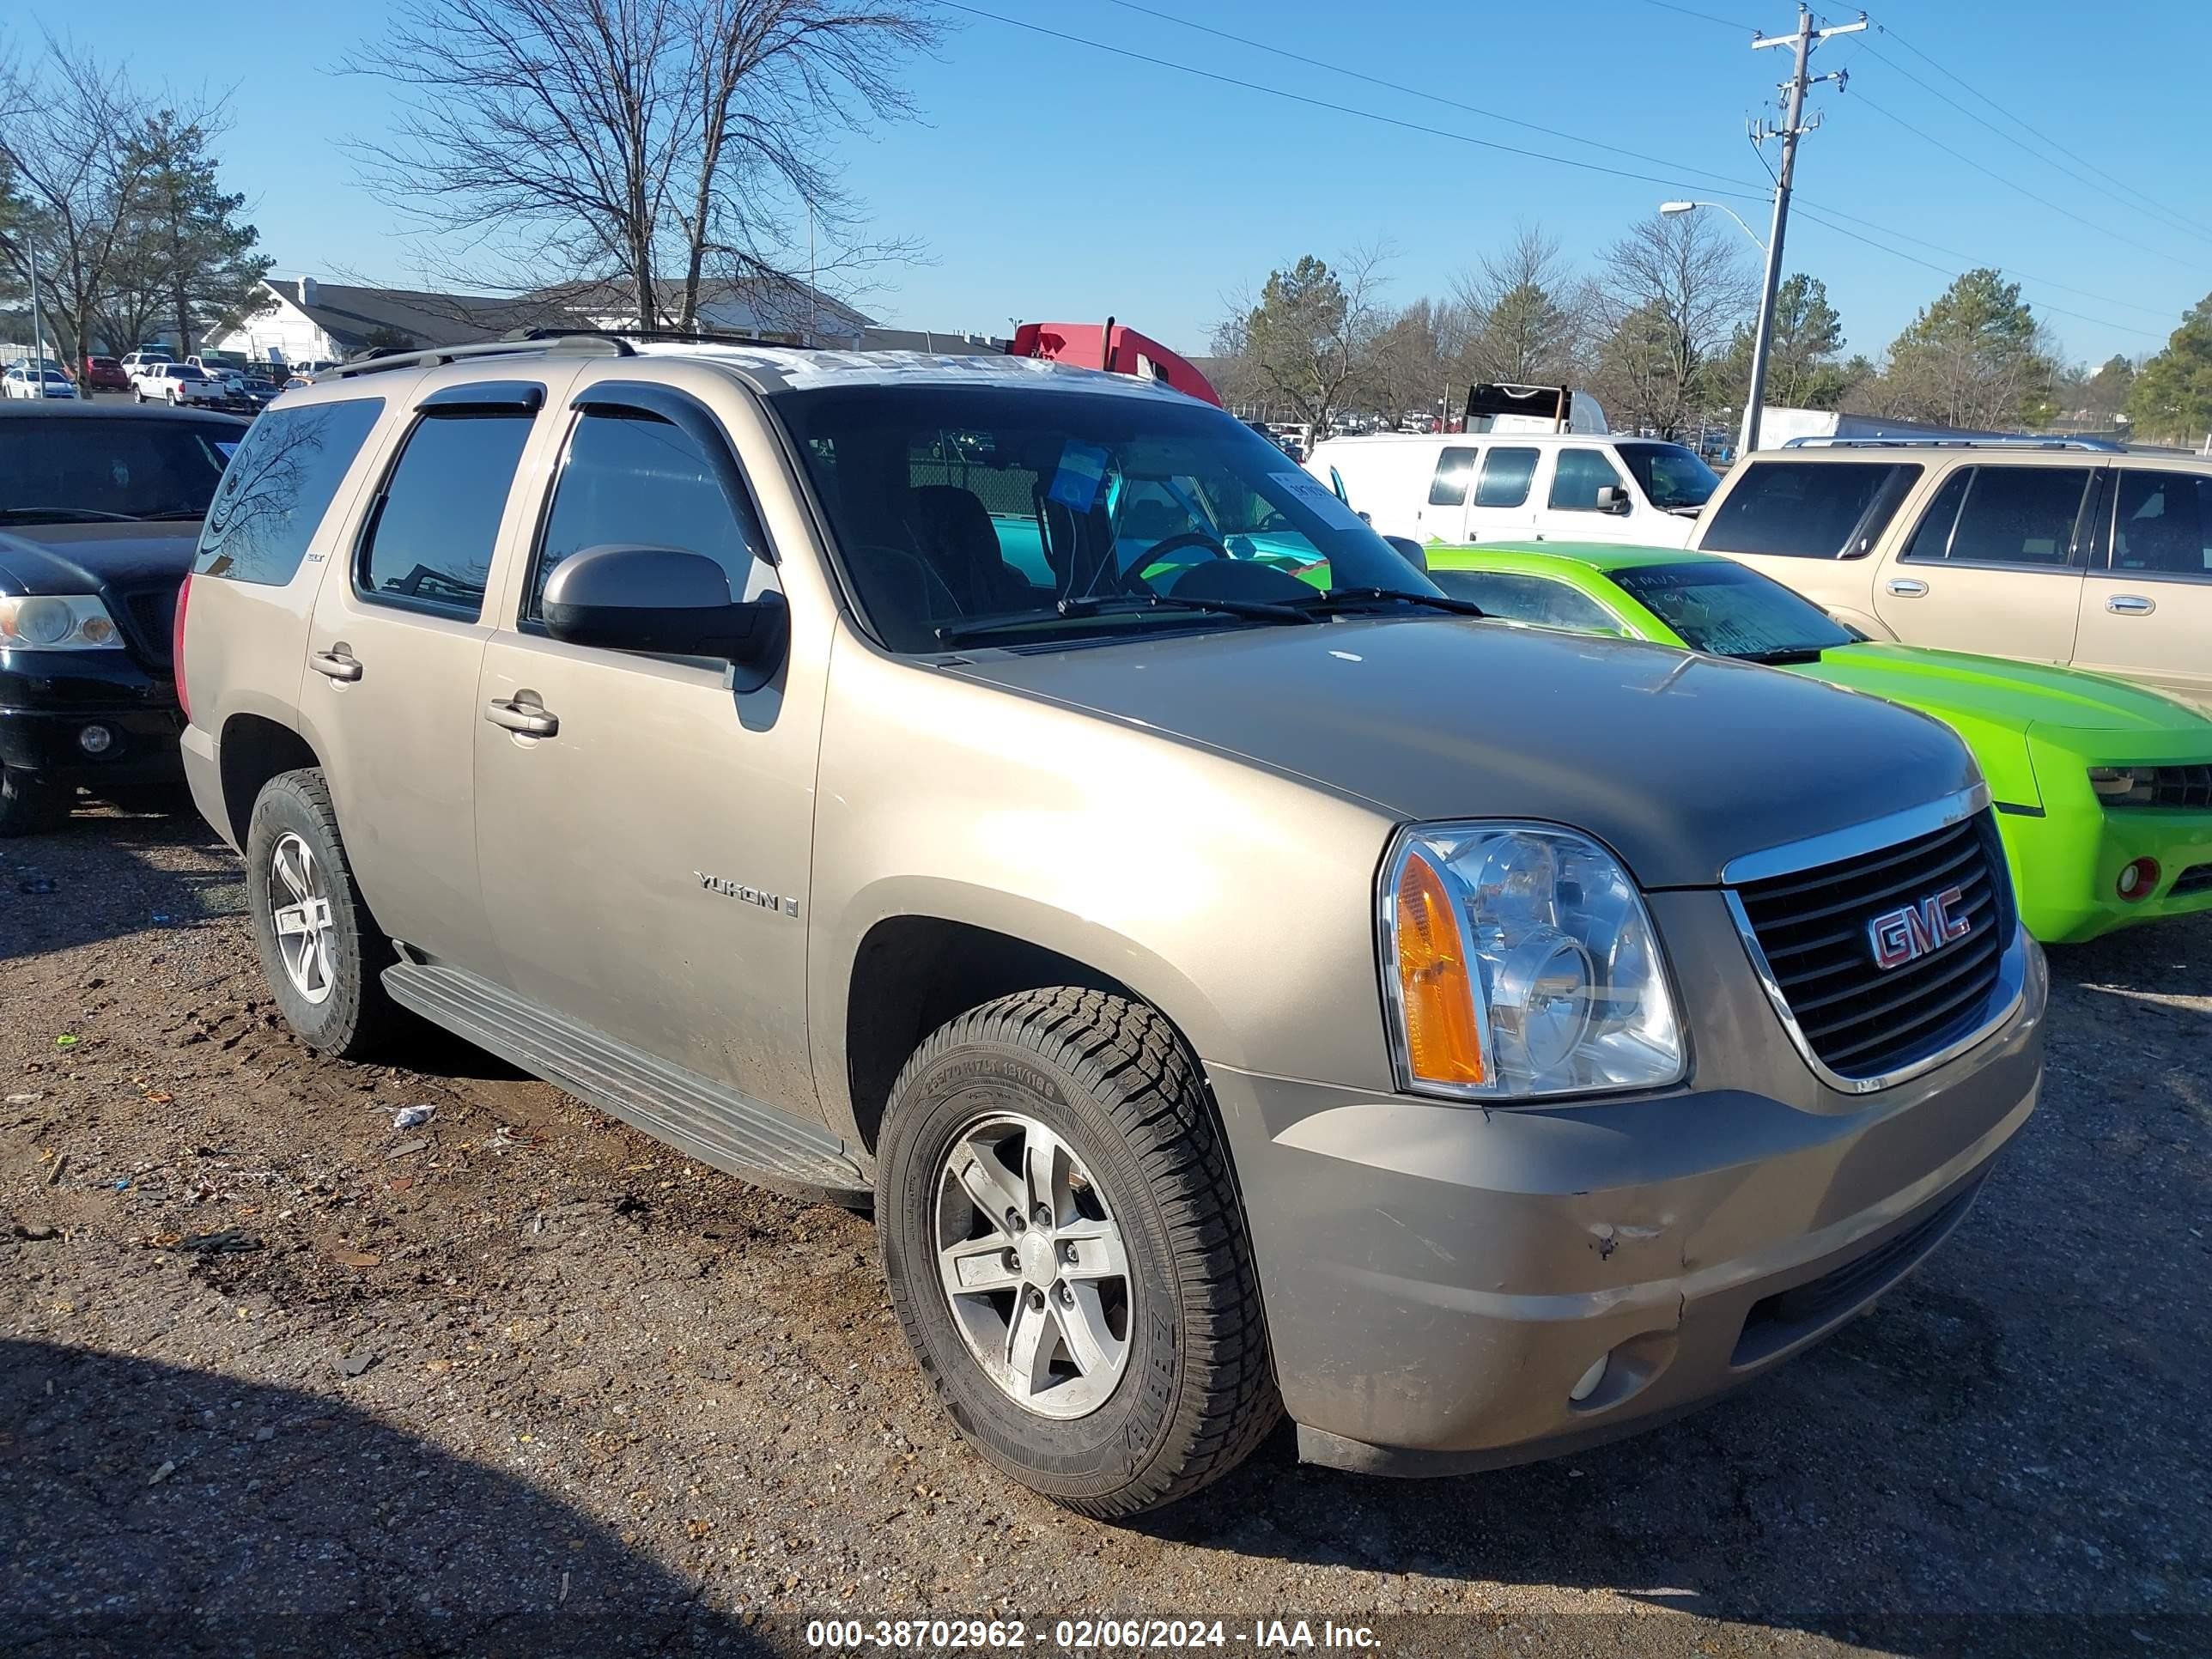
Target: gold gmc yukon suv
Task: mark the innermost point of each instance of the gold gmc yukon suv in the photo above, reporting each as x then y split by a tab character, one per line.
1242	980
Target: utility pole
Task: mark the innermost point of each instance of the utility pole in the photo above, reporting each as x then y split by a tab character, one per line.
1793	128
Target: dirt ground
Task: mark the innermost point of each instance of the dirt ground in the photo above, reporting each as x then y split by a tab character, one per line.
520	1380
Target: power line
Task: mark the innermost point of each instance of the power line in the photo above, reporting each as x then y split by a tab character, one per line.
1944	271
2166	219
2039	137
2012	184
1702	16
1432	97
1586	167
1339	109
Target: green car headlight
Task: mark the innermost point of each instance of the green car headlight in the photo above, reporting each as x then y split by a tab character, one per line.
1519	962
2124	786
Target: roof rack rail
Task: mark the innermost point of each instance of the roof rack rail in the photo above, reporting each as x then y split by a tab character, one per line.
1906	440
587	341
659	337
580	343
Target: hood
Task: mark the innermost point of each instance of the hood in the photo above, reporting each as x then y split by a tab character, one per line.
2014	696
87	558
1680	762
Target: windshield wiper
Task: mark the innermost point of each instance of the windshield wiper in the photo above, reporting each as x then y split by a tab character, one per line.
173	512
62	515
1122	605
1780	657
1350	598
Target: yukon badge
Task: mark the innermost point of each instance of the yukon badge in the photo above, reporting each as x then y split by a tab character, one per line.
760	896
1914	931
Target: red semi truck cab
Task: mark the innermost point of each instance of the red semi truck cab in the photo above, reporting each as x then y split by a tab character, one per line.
1117	350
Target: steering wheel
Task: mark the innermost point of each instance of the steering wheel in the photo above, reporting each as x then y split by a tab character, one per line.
1214	549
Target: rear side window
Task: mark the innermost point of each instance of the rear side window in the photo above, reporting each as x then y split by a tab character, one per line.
1505	477
635	478
1580	474
1449	487
2163	524
1808	509
430	539
2010	515
277	488
1537	600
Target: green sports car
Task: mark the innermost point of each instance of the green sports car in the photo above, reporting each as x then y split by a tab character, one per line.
2103	790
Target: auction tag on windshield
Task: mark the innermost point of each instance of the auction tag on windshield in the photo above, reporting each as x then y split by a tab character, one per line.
1075	485
1319	498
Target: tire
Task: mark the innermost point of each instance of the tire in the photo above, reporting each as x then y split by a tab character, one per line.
139	393
29	806
1110	1082
351	1017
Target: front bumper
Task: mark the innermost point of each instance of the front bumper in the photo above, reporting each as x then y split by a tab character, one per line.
47	699
1438	1278
2066	866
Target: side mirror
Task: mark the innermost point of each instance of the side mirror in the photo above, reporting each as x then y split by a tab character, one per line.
664	601
1612	498
1412	551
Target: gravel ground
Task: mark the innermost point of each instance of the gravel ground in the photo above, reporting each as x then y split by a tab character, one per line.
520	1380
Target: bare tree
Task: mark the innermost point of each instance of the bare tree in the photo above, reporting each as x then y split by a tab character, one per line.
1527	311
1674	289
68	131
646	144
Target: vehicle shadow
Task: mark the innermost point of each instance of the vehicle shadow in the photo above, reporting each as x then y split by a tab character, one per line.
2165	959
154	1509
69	887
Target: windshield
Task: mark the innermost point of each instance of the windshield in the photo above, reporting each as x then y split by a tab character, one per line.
1671	477
53	470
1732	611
1039	512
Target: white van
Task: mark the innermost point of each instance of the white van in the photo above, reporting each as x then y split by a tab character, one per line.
1536	463
1519	486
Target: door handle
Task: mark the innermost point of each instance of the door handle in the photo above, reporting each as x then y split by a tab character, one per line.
1908	587
530	721
337	664
2130	605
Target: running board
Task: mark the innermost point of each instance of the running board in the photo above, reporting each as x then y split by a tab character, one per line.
699	1118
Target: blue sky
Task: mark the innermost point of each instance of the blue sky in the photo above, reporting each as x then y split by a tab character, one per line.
1052	180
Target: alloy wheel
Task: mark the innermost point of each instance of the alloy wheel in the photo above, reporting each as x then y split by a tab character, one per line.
304	923
1033	1266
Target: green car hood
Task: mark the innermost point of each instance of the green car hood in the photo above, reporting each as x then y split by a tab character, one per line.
1993	691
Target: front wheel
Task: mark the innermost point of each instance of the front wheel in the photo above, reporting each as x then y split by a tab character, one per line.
1067	1254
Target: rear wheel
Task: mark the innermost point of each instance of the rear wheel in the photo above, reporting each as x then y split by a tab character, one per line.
321	950
29	804
1065	1251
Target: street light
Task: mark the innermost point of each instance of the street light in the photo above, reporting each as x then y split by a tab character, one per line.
1754	401
1671	208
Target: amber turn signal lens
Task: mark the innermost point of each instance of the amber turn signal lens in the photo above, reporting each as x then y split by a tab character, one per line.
1442	1038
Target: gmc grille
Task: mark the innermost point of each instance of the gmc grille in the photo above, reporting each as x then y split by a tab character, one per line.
1858	1019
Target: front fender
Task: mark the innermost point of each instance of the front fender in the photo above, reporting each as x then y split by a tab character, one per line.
1239	902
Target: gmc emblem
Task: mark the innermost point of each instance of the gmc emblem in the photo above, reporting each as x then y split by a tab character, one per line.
1917	930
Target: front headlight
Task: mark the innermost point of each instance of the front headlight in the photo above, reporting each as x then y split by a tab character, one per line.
75	622
1518	961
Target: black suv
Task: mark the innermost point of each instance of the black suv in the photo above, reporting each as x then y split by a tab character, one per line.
99	509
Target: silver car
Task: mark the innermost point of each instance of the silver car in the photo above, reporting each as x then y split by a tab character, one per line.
1241	979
